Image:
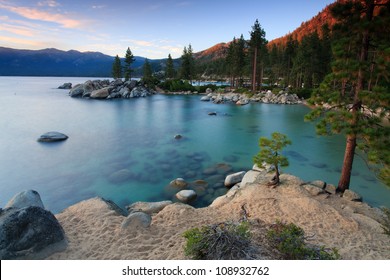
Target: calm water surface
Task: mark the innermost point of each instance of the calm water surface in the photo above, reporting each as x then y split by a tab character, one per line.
136	137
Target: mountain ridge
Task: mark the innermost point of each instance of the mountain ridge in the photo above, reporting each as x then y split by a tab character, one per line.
54	62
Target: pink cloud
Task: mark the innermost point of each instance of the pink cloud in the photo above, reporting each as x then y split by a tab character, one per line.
34	14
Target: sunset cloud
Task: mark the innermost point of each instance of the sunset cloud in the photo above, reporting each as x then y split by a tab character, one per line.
35	14
18	30
11	41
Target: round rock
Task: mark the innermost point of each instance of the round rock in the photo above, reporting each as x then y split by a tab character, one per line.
25	199
137	219
179	183
186	196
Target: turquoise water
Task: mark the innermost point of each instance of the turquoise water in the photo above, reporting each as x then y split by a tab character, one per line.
138	135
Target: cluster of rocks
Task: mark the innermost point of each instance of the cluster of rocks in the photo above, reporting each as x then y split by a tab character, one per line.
187	192
242	99
262	175
104	89
27	230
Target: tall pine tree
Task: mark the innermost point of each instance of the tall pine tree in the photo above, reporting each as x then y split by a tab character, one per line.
169	68
187	70
129	59
354	98
117	68
258	49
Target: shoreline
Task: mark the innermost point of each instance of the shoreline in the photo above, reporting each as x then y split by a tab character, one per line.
94	230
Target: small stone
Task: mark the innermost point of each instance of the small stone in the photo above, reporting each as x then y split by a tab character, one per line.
178	136
318	183
352	196
329	188
313	190
212	113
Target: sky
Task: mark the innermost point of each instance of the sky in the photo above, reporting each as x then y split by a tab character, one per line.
151	28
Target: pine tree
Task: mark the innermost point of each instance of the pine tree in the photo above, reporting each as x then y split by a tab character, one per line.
187	70
117	68
349	101
129	59
270	152
170	70
147	77
258	49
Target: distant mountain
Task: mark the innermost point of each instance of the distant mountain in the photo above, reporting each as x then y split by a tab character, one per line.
53	62
215	52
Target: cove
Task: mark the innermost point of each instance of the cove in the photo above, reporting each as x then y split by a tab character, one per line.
124	150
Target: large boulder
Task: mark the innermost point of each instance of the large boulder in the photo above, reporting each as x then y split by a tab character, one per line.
101	93
29	233
139	92
25	199
52	136
234	178
77	90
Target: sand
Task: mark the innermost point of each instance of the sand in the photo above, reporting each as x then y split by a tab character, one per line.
94	230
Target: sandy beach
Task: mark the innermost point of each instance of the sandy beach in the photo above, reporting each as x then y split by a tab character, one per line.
94	230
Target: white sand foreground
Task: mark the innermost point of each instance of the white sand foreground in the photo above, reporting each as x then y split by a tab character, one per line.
94	230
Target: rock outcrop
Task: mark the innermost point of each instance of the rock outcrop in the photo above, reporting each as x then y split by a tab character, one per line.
104	89
242	99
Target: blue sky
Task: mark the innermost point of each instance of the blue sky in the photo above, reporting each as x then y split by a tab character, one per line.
150	28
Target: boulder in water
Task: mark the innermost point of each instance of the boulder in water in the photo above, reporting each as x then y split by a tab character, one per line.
52	136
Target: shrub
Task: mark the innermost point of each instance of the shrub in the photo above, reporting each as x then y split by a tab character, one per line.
176	85
302	92
223	241
289	239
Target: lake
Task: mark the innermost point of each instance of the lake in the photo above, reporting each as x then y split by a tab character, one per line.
136	137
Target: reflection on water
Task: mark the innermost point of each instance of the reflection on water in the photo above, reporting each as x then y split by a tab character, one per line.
124	150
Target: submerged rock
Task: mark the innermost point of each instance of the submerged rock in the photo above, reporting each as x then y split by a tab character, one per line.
179	183
52	136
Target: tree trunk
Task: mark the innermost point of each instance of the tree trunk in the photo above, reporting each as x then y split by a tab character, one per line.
349	154
254	71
